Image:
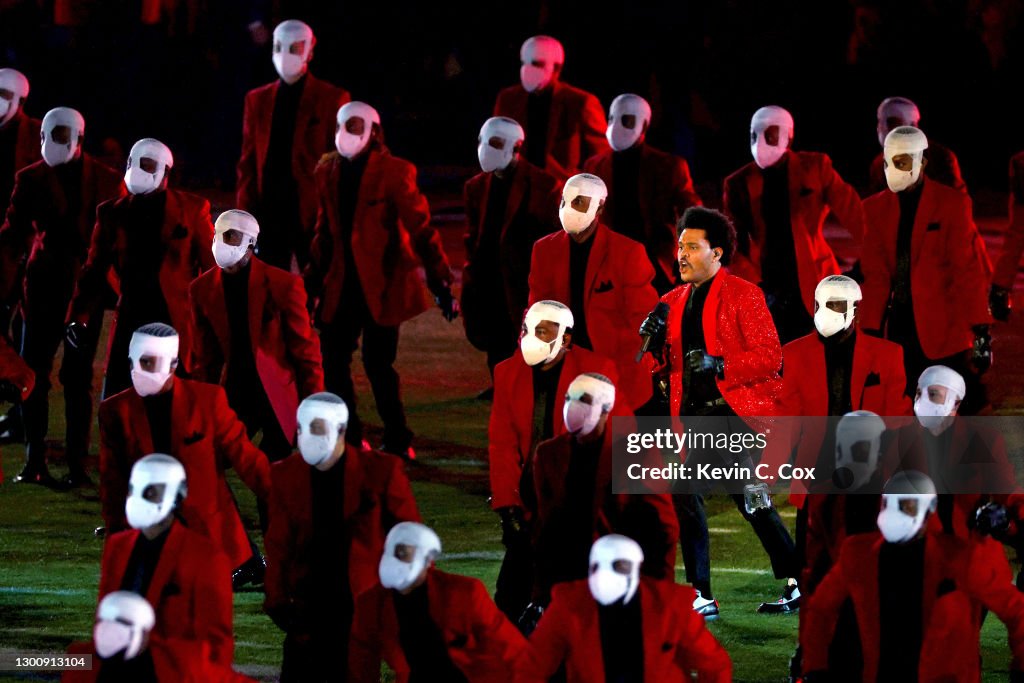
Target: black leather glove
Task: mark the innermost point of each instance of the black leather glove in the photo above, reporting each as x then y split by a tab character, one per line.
448	304
529	619
10	392
702	361
981	351
992	519
654	327
999	303
75	334
513	526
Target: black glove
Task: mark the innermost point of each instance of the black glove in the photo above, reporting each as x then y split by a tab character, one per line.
999	303
992	519
513	526
9	392
981	352
702	361
654	327
75	334
448	304
529	619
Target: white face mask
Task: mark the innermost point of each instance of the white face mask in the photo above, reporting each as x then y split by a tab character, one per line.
606	584
141	513
140	182
829	322
315	449
931	415
537	351
766	155
492	159
858	443
861	470
535	78
288	66
227	255
347	144
111	637
5	108
898	180
55	154
897	526
582	185
579	417
619	137
164	350
396	574
73	125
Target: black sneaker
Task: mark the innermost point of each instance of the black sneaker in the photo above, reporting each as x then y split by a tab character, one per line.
251	572
787	604
36	474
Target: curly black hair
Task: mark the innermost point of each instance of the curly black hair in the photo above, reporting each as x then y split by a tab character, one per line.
718	229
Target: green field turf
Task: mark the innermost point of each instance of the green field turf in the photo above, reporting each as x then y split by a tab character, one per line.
49	558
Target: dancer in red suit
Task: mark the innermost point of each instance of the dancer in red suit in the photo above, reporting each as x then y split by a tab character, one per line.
179	571
49	222
372	233
156	240
16	378
942	167
529	394
779	203
428	624
604	278
648	190
616	625
288	126
999	297
721	356
331	507
125	647
927	274
572	478
509	206
191	421
564	125
915	594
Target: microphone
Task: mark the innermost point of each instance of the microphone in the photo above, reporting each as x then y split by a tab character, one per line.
660	313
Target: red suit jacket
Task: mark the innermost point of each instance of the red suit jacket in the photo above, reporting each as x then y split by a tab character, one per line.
649	519
531	212
174	660
814	189
676	641
665	192
949	273
286	349
617	297
942	167
37	202
391	237
14	370
26	148
377	496
315	124
187	238
481	642
207	438
1013	243
738	327
510	430
190	590
576	125
957	576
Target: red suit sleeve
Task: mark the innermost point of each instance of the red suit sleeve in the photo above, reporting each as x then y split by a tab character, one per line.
699	650
492	628
986	582
414	212
548	646
247	190
506	466
114	470
202	246
975	271
822	611
213	608
302	343
15	237
897	403
760	354
684	194
593	125
207	356
93	276
278	544
470	236
233	444
843	200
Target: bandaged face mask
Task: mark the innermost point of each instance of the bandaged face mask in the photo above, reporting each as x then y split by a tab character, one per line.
539	55
858	443
408	548
316	442
288	66
582	196
497	143
581	417
539	317
122	621
227	255
153	362
903	157
898	526
59	135
111	637
626	119
771	130
828	322
354	128
16	85
536	351
931	415
293	41
841	292
148	163
614	569
155	485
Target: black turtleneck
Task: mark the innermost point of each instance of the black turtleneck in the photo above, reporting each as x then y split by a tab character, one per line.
699	388
900	569
423	643
538	113
778	254
331	592
622	641
486	258
545	388
142	563
69	179
623	209
909	200
350	177
839	369
579	256
140	276
278	181
241	371
8	152
158	414
138	669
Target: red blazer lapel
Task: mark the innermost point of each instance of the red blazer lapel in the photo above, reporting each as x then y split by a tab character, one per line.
595	264
265	111
859	376
139	423
925	209
181	426
216	307
815	374
258	287
352	461
709	318
674	333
